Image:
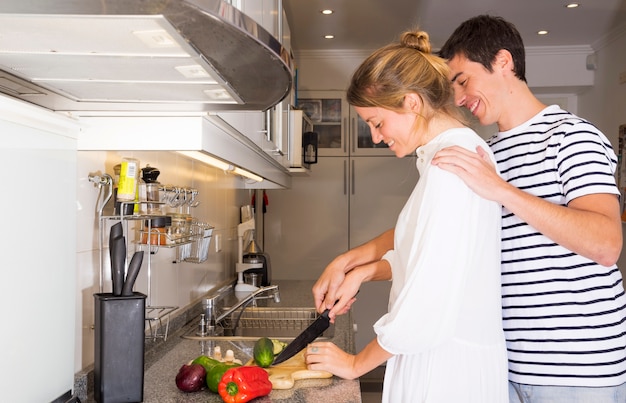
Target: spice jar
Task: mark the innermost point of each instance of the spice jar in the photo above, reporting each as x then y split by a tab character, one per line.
155	230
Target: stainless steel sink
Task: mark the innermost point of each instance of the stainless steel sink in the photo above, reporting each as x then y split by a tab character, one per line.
273	322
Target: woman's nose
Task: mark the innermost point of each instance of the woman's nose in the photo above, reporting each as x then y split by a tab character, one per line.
376	136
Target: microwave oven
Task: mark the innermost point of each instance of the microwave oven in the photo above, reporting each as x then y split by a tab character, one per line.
302	146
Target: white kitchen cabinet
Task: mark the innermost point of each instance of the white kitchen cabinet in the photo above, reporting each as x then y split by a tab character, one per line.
252	124
263	12
340	130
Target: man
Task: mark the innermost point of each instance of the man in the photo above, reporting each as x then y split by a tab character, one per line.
564	309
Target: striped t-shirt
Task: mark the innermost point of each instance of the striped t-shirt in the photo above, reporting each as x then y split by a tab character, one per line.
564	316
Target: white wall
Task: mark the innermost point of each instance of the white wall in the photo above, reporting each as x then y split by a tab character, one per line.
37	167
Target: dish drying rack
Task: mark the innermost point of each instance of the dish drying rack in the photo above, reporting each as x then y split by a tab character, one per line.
155	318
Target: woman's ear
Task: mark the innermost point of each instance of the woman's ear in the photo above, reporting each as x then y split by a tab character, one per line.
413	102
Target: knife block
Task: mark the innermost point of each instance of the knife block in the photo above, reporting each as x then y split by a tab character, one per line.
119	347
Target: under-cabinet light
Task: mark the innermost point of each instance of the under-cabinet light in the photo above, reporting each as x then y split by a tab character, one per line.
217	163
247	174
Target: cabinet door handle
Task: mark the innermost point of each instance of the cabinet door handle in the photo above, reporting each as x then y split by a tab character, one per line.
345	135
353	135
345	177
353	177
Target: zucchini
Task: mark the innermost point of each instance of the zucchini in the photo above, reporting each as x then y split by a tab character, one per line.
264	352
206	362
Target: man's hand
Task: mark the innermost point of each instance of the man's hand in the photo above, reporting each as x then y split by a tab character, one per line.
475	169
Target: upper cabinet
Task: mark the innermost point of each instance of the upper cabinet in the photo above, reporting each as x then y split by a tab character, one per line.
340	130
269	14
264	12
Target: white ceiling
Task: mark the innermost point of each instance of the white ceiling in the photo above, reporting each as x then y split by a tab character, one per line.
369	24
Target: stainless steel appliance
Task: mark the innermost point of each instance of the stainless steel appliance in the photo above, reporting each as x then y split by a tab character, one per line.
254	254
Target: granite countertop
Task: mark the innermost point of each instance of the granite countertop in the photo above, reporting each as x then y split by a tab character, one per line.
162	363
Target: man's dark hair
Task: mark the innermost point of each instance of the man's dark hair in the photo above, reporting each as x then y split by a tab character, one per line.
480	38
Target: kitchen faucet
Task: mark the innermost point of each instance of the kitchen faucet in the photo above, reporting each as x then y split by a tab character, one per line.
210	319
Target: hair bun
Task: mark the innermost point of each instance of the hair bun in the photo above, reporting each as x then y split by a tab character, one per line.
416	39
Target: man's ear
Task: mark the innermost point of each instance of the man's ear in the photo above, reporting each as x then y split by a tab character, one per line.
503	60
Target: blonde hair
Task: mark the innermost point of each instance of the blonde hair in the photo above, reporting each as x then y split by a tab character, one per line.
400	68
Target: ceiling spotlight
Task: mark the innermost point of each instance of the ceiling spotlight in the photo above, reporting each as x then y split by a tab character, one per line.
329	36
572	5
327	12
542	32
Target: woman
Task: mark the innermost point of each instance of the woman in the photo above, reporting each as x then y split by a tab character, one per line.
442	336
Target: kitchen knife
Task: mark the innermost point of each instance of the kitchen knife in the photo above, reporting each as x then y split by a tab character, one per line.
118	263
131	275
311	333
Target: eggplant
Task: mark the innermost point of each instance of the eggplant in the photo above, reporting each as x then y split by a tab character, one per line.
191	378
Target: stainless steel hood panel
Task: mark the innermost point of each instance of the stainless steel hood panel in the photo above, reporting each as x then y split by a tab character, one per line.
150	55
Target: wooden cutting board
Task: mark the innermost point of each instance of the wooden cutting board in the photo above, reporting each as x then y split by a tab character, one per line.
285	374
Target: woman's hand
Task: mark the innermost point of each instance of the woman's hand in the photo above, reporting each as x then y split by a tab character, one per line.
326	356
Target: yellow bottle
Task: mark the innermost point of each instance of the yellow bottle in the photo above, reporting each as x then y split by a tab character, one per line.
129	179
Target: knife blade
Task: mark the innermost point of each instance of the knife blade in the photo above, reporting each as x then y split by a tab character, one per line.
133	271
311	333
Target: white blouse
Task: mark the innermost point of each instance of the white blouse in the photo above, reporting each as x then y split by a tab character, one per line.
444	323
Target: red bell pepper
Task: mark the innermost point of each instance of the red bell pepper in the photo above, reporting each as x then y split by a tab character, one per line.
242	384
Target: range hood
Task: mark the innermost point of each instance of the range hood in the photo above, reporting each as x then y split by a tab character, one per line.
139	55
